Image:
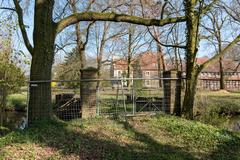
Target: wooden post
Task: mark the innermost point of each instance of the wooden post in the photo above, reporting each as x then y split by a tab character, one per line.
88	92
172	92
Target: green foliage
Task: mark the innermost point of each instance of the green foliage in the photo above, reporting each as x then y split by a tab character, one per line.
11	76
17	102
69	69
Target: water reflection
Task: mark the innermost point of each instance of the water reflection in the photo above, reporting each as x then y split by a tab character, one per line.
13	119
234	123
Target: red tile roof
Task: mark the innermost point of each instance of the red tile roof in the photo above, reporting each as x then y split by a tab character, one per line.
148	61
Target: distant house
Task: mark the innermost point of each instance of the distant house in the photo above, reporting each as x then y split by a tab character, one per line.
210	76
230	67
149	69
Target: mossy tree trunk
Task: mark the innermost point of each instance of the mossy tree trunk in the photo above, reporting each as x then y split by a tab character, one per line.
193	13
192	21
190	91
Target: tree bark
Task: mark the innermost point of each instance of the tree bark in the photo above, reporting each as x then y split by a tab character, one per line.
222	84
159	54
100	51
80	45
221	69
176	59
3	104
42	60
192	21
129	54
99	66
190	92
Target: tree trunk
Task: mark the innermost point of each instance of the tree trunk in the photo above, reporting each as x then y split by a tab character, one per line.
3	104
80	45
129	54
180	61
99	61
128	70
176	59
42	60
99	67
163	63
192	21
190	91
159	52
222	85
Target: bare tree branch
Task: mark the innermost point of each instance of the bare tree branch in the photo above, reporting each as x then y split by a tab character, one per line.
94	16
165	45
7	8
22	26
229	46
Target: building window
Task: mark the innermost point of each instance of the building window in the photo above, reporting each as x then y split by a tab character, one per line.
147	73
119	74
147	82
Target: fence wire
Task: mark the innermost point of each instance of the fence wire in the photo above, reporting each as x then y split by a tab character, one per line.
112	96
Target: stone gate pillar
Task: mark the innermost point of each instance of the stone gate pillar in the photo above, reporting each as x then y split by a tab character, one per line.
172	92
88	92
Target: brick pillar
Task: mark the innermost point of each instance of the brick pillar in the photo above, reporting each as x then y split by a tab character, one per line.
88	92
172	92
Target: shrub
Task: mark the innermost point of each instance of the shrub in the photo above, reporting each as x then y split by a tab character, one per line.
17	102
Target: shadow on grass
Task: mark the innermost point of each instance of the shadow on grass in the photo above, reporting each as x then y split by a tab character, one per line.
92	145
154	149
79	143
228	149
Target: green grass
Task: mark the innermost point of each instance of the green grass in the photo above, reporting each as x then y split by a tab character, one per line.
217	108
222	102
158	137
17	102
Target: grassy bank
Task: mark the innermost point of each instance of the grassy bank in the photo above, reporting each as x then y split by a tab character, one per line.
158	137
218	107
222	102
